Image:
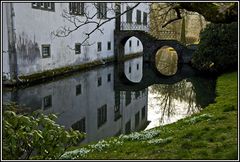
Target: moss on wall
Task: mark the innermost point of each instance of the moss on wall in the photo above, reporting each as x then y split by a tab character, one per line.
64	70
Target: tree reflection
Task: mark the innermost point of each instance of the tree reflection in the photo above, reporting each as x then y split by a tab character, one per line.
168	95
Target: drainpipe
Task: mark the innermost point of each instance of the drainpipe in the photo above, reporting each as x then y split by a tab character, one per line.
117	29
11	42
118	18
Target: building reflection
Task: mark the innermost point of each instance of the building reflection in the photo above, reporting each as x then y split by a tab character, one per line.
133	69
88	102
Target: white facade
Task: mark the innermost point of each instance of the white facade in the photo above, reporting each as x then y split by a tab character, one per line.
33	28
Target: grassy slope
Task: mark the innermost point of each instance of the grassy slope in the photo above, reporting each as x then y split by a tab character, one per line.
211	137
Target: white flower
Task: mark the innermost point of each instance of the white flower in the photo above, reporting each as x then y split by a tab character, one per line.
160	141
144	135
75	153
196	119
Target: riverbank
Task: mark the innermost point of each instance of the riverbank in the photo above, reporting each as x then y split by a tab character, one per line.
63	71
210	134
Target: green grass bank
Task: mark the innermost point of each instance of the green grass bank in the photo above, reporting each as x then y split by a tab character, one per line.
210	134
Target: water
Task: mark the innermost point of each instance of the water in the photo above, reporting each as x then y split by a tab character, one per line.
103	104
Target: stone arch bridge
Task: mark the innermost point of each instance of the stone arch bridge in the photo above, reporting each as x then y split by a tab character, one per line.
150	45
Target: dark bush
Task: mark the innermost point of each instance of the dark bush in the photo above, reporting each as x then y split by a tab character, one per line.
218	48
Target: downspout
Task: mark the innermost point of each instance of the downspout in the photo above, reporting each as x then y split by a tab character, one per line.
117	29
12	43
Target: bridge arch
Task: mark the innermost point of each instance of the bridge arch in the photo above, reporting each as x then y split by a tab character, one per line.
150	44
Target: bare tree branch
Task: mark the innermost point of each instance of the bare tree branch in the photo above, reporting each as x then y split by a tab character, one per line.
65	31
175	19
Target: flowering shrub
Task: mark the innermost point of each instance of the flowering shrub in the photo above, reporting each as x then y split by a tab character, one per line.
144	135
100	146
160	141
75	153
199	118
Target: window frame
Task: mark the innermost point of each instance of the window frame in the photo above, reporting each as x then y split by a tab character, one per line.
129	15
79	51
109	46
109	77
101	116
99	46
138	17
78	89
99	81
43	6
46	106
76	8
144	18
130	43
49	50
102	10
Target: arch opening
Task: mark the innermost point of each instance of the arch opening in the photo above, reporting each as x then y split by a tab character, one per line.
133	45
166	60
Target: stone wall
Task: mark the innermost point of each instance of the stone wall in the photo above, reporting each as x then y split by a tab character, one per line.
194	23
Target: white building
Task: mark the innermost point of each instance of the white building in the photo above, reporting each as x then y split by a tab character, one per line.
29	47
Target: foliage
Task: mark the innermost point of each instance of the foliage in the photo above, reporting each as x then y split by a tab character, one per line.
35	136
218	48
191	40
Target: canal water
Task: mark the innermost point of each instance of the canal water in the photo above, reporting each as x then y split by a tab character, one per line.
98	103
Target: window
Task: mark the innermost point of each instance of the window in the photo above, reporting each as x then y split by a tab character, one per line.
143	112
77	48
144	18
109	77
99	46
49	6
109	45
46	51
129	15
47	102
130	69
76	8
128	127
101	115
137	119
80	125
138	43
137	66
102	10
117	114
130	43
138	17
128	98
78	89
99	81
137	94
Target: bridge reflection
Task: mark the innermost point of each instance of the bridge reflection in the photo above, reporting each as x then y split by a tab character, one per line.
150	75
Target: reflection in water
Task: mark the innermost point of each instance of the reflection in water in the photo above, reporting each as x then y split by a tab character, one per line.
166	61
133	69
88	102
169	103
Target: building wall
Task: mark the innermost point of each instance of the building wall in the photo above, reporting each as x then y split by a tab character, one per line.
30	35
143	7
5	53
130	109
33	28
